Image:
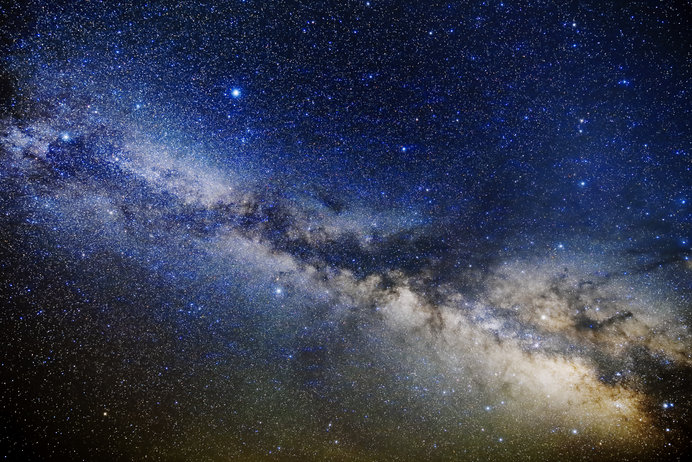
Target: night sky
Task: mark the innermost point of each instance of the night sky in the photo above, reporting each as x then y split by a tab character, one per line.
345	230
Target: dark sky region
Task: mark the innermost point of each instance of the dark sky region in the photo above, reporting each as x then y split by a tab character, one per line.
345	230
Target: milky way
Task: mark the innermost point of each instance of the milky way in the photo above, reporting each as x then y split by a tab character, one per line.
345	231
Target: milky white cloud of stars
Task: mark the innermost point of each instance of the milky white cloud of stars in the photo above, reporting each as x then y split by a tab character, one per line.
331	230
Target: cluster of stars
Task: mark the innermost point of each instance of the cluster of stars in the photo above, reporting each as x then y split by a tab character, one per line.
345	230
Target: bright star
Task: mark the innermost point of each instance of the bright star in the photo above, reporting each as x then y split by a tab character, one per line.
235	93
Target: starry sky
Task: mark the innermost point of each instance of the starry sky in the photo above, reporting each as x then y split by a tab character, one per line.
345	230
